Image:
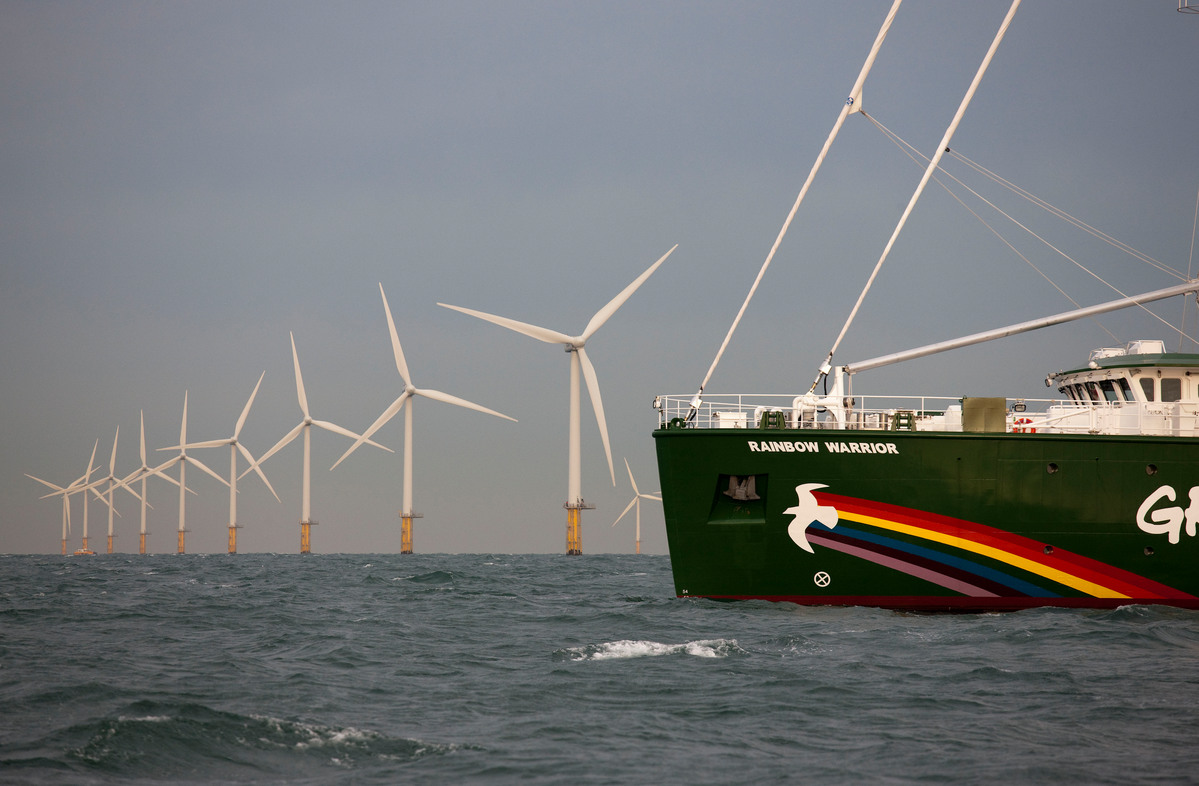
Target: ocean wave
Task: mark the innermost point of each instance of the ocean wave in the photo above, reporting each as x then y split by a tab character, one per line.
434	577
151	739
627	648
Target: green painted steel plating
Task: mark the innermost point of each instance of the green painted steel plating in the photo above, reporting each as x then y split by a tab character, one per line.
931	520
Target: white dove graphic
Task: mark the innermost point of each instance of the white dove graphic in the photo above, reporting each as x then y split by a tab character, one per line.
806	510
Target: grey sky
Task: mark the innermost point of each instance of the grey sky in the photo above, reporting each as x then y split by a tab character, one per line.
181	184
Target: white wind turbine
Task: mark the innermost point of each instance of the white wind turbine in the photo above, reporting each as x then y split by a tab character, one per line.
408	396
82	485
144	473
182	459
304	427
636	501
234	447
578	358
65	493
113	483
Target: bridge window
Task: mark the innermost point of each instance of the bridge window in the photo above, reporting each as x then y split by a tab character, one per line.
1109	391
1147	385
1125	389
1171	389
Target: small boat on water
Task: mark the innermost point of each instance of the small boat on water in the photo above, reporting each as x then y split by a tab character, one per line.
950	503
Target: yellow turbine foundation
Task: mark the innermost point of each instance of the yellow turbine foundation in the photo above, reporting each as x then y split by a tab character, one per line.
141	549
405	534
64	547
406	530
233	528
306	536
574	527
84	544
182	537
110	544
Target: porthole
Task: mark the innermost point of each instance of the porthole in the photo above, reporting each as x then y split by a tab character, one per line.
1052	468
1148	551
1048	549
1150	469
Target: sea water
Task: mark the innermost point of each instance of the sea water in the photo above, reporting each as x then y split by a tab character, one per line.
364	669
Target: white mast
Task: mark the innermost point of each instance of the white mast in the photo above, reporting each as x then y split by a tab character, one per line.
852	104
928	173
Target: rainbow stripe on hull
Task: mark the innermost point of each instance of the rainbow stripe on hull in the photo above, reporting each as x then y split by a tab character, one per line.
978	561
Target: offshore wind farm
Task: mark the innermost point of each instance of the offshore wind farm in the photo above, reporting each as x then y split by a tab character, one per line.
183	188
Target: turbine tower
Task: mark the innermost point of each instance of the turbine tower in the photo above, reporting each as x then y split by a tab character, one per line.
113	483
304	427
578	358
234	447
636	501
85	487
144	473
182	460
408	396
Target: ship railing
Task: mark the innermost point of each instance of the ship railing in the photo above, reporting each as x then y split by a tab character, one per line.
926	413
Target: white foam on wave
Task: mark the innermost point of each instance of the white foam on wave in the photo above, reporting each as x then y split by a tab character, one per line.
627	648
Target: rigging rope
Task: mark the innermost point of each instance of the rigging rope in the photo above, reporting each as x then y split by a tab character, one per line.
1079	223
914	154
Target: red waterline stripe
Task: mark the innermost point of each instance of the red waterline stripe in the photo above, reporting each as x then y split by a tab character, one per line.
958	603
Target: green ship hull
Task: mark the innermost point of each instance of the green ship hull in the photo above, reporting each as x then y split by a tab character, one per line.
930	520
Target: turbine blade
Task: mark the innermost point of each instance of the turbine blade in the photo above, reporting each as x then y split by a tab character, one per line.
628	507
241	421
101	497
207	469
437	395
112	461
212	443
299	379
632	482
143	442
539	333
183	424
380	421
165	466
121	484
401	363
45	483
607	311
345	432
258	469
652	496
598	405
89	462
288	437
